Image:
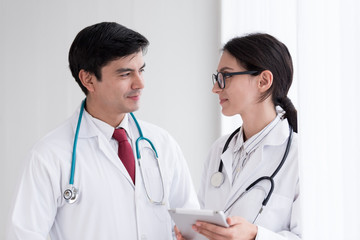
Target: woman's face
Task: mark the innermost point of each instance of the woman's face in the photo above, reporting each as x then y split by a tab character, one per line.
240	92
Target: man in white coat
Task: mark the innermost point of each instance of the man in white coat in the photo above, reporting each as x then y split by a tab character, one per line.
106	60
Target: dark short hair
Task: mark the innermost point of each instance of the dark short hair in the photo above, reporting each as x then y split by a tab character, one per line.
97	45
259	52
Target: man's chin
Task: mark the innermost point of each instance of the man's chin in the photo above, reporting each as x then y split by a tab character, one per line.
133	109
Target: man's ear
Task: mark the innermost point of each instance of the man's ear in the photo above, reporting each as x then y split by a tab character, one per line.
265	80
87	79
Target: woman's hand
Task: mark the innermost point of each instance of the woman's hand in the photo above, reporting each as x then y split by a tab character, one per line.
178	234
239	229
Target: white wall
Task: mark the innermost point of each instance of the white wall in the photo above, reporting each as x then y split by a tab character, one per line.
38	92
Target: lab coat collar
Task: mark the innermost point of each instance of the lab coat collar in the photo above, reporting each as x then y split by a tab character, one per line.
85	130
268	141
281	132
89	130
106	129
278	135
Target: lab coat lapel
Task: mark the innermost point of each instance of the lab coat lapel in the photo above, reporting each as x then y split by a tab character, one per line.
257	167
89	130
227	159
113	157
246	176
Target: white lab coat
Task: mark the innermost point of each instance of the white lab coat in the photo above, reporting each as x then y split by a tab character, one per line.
280	219
109	205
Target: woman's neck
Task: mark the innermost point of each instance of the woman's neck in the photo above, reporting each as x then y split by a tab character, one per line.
257	118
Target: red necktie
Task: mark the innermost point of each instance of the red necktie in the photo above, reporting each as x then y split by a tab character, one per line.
125	152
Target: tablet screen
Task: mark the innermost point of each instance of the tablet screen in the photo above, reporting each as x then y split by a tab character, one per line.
185	218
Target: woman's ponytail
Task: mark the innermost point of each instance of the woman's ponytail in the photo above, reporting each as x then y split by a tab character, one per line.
291	113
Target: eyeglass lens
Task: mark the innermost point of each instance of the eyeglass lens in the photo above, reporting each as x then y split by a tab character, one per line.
219	78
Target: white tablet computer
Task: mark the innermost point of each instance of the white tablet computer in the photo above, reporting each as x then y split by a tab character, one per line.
185	218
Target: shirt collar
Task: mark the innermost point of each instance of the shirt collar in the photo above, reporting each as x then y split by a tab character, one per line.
108	130
254	141
125	125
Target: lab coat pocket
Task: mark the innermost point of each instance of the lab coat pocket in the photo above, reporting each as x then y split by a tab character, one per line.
276	214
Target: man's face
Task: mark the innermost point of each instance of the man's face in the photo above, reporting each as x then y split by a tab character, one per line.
120	87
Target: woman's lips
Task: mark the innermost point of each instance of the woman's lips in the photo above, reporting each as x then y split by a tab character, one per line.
223	100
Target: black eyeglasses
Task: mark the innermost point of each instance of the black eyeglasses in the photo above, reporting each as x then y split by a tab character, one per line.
220	77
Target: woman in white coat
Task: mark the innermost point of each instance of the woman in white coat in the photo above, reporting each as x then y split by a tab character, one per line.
253	77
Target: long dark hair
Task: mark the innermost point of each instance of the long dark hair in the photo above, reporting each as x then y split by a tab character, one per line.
261	52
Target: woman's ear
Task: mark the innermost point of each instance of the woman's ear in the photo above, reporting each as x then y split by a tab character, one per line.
265	80
87	79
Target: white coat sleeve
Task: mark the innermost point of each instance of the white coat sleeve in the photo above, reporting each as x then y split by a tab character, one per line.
35	205
295	224
182	192
204	177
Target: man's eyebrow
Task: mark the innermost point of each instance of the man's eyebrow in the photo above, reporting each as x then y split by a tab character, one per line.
121	70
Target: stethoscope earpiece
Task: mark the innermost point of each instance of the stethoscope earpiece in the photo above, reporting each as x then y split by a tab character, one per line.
71	194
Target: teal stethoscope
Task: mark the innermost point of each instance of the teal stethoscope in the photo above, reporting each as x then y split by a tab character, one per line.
71	193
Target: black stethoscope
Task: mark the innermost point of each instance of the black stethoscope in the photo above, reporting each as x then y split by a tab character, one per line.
217	179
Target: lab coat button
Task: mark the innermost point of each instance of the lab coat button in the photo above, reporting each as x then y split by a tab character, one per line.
143	237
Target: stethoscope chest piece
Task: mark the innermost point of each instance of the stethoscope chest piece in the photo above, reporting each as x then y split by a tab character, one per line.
217	179
71	194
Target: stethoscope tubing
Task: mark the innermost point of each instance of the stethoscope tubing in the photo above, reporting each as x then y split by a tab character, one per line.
141	137
138	156
226	147
71	193
268	178
73	160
